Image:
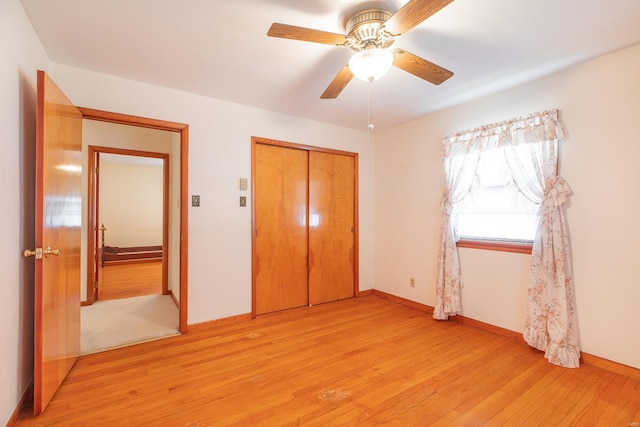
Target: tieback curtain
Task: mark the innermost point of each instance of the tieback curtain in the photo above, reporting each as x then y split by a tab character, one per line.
530	147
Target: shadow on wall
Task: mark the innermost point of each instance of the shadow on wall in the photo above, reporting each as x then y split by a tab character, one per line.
27	224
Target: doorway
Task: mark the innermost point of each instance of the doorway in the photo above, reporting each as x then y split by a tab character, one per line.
170	254
133	298
130	203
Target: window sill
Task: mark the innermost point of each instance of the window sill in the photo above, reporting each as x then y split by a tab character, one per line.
494	245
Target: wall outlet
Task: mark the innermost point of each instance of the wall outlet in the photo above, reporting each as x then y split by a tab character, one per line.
412	282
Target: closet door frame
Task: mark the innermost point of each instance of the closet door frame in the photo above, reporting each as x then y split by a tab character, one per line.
254	261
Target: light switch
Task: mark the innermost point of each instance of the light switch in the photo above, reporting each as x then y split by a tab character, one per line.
243	201
243	183
195	201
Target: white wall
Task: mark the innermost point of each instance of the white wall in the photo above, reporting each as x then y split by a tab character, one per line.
599	103
21	55
219	154
131	202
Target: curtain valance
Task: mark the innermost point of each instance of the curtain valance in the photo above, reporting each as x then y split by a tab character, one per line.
533	128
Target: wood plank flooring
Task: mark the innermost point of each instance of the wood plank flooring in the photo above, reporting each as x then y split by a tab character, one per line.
363	361
130	280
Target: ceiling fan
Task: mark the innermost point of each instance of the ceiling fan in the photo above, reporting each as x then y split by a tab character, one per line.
371	33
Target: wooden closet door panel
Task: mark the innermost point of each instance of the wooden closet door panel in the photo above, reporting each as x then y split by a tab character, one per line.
331	227
281	228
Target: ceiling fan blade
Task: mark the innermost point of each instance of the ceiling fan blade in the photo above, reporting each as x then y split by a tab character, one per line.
412	14
305	34
420	67
338	83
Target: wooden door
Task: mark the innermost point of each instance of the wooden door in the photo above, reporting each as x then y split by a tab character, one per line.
280	228
58	220
331	227
93	287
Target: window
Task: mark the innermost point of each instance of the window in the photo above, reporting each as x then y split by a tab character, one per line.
495	175
495	215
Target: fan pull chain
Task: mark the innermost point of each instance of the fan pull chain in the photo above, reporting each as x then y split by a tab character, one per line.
370	107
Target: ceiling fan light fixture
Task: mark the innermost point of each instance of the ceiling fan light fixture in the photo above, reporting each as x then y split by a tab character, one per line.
371	64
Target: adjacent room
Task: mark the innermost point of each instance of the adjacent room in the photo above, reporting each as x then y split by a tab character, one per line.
347	212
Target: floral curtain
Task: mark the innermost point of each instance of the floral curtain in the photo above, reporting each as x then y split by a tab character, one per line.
530	146
460	170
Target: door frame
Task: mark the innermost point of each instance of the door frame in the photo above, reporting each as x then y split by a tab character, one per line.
94	207
183	130
254	256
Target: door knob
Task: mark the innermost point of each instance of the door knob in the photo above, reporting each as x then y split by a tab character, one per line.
37	253
50	251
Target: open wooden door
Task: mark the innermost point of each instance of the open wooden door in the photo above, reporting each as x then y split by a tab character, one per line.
57	237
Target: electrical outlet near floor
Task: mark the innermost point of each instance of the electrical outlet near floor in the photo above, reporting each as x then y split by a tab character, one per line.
412	282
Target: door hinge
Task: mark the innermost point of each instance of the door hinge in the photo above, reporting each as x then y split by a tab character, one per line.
97	170
95	285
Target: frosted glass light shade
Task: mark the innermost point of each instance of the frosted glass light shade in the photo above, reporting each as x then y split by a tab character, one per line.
371	64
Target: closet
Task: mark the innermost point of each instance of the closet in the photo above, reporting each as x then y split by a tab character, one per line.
304	225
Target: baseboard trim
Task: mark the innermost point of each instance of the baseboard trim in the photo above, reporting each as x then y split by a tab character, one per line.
422	307
173	297
587	359
204	326
25	402
365	293
611	366
517	336
131	261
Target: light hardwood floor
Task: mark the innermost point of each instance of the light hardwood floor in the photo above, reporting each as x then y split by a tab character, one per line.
130	280
363	361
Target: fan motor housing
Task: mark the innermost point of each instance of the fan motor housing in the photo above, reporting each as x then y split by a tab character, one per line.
365	29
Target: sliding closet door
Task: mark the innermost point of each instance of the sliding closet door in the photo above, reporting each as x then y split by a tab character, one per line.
331	227
280	227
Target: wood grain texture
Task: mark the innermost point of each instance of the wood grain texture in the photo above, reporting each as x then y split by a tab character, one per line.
361	361
117	254
589	359
412	14
280	261
130	280
520	248
127	119
95	236
420	67
338	83
328	190
58	219
286	31
331	227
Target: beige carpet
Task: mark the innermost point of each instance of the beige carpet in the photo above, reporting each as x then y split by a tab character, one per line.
117	323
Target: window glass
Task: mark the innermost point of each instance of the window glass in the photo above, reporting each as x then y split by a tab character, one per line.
495	209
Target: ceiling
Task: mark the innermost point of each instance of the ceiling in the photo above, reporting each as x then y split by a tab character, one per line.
220	49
